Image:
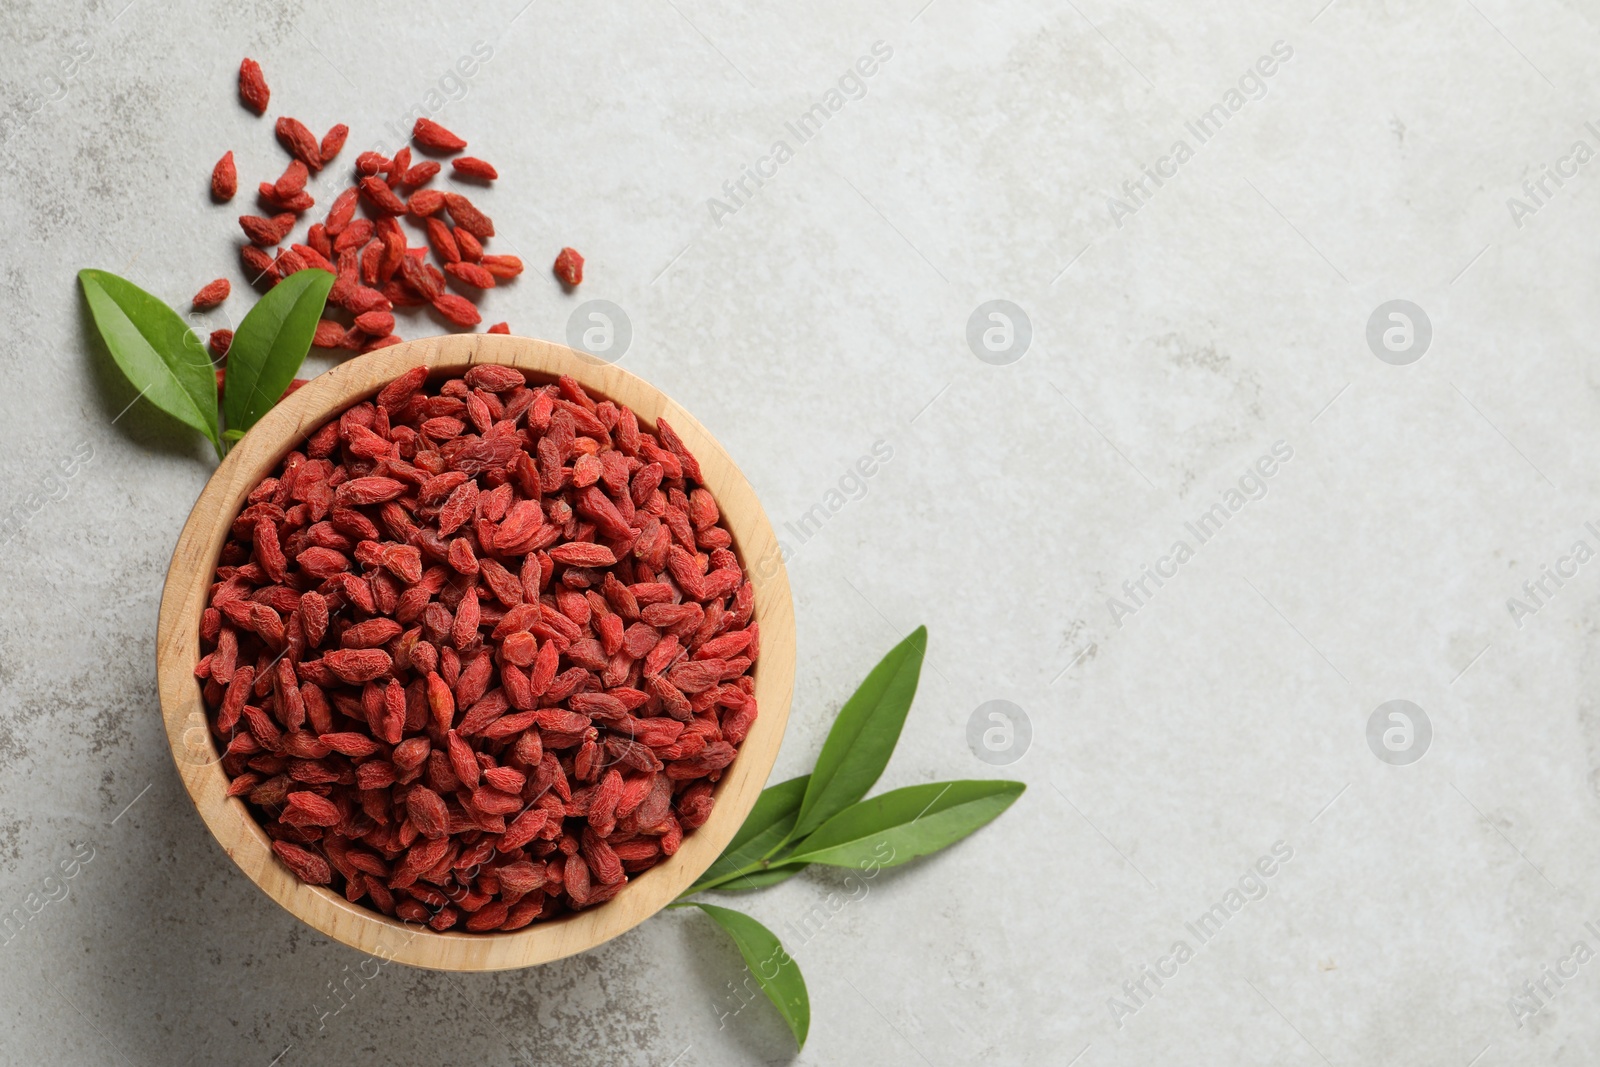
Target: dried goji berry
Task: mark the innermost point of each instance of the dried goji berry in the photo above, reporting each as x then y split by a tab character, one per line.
457	309
471	248
443	243
420	173
253	86
425	202
332	142
381	196
432	136
328	334
300	142
342	211
569	267
266	232
502	266
468	217
211	294
471	274
472	167
224	178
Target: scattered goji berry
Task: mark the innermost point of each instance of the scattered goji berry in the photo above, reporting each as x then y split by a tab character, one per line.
569	267
473	167
300	142
224	178
332	142
211	294
432	136
253	86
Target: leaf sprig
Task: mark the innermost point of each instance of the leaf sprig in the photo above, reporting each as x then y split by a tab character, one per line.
161	356
821	818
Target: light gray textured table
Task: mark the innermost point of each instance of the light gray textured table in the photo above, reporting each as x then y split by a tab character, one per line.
1174	336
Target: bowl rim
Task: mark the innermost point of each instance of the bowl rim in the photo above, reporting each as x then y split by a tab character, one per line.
195	754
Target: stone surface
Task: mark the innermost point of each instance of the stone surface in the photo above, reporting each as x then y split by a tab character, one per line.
1175	338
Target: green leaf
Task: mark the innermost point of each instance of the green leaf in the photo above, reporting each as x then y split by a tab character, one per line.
155	349
764	829
906	823
270	344
758	879
864	735
778	975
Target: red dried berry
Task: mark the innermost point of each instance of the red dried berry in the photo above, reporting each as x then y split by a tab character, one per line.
253	87
317	238
473	167
398	166
468	217
370	163
332	142
300	142
306	865
430	135
219	342
443	243
471	274
471	248
266	232
293	180
256	262
420	173
457	309
342	211
569	267
381	196
313	258
295	202
211	294
499	327
507	266
224	178
289	261
377	323
329	334
425	202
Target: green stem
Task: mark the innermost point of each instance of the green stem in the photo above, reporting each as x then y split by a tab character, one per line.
733	876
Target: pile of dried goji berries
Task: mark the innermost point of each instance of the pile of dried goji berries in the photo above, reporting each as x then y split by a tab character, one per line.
480	652
378	270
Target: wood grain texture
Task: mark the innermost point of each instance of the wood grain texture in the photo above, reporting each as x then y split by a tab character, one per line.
286	427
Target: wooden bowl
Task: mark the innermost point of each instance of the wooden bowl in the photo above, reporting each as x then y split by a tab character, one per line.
235	828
